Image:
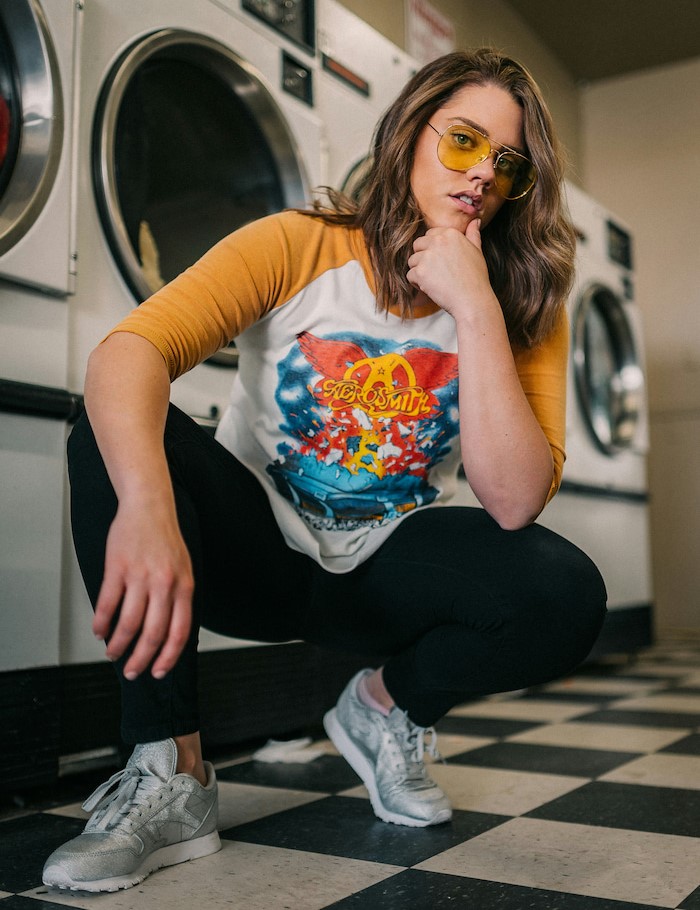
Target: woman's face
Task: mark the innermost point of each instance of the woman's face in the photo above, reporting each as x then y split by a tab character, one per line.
450	198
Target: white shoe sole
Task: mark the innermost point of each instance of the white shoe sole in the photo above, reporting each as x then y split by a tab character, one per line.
364	770
56	877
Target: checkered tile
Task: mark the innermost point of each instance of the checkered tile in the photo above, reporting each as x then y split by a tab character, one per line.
582	795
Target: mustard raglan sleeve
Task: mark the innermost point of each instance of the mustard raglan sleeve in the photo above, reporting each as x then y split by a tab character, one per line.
232	286
543	374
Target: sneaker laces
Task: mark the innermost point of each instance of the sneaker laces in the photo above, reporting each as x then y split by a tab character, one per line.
132	789
411	749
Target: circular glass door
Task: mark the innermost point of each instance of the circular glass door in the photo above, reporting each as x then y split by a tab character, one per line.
9	112
31	118
356	179
188	145
608	375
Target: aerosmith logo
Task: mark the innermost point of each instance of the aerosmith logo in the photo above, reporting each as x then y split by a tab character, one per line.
383	386
365	422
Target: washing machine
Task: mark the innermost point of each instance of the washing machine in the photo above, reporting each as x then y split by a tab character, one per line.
39	77
132	137
195	118
603	503
360	73
39	47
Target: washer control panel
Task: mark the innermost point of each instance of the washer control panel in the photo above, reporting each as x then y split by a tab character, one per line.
292	18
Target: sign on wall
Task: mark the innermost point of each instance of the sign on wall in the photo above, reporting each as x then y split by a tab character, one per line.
429	34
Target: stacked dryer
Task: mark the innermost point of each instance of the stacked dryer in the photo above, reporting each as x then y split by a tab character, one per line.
361	73
123	157
194	120
603	504
39	52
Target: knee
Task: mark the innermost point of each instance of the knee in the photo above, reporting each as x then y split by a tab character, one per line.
564	607
569	574
585	587
580	605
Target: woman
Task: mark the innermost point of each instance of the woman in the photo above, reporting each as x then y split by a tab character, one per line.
382	345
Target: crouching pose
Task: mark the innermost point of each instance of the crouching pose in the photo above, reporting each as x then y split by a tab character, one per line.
385	342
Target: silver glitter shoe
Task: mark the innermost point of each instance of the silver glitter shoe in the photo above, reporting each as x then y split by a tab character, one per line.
145	817
387	753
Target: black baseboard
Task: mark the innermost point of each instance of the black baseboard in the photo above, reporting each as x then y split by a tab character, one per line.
247	695
269	691
29	710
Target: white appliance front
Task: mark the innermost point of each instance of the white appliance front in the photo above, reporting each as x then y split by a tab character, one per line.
39	65
607	420
602	505
195	118
32	456
39	58
361	73
186	134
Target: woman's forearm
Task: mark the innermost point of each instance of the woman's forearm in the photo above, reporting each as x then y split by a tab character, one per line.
506	455
148	573
127	390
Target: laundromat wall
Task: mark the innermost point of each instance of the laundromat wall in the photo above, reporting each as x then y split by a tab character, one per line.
318	80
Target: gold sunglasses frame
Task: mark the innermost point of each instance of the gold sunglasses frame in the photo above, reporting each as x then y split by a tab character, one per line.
491	151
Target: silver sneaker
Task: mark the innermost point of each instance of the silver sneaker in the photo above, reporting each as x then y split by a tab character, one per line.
387	753
145	817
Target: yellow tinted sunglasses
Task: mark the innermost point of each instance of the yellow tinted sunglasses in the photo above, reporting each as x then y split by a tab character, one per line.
461	147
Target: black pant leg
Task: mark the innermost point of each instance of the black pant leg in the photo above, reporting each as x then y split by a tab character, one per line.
151	709
232	538
461	608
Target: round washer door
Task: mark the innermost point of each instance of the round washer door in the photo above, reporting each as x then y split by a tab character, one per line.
188	145
607	370
355	180
31	118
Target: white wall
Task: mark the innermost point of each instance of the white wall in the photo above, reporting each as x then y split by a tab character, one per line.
641	150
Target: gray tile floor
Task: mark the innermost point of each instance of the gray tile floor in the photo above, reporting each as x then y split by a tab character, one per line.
581	795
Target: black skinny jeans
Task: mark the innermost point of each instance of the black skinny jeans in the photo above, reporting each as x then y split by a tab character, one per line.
456	606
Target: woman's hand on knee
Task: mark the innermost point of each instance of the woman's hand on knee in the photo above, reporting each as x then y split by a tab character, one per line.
147	586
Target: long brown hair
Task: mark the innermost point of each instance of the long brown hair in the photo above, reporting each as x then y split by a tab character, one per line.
529	246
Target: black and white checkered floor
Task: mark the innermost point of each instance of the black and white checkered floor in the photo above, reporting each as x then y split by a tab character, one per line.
582	795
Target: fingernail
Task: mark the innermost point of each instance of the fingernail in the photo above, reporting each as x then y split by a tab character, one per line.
130	674
158	674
